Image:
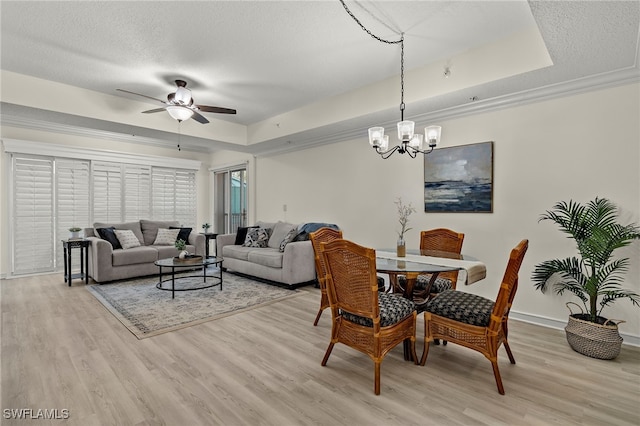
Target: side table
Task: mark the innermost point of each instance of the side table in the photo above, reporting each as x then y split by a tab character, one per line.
208	236
68	246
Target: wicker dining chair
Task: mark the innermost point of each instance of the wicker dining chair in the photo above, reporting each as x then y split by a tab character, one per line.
364	318
322	235
474	321
443	242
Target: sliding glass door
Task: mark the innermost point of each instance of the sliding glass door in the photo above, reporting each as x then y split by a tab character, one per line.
230	199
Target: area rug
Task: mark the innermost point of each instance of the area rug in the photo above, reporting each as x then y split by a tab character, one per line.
147	311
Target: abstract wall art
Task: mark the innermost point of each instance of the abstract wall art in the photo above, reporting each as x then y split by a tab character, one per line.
459	179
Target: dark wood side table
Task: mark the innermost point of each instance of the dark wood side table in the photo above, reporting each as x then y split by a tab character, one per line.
208	236
68	246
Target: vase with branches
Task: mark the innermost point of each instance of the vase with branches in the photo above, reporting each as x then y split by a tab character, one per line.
404	211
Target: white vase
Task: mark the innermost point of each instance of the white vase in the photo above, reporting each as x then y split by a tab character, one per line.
183	254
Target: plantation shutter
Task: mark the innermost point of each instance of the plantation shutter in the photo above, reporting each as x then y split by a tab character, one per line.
185	197
137	192
174	195
107	192
72	199
33	218
162	193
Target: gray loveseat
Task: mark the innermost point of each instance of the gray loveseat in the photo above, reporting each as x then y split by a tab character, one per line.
107	263
288	262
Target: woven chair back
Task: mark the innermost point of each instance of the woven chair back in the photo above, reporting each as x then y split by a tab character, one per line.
508	287
352	284
322	235
443	240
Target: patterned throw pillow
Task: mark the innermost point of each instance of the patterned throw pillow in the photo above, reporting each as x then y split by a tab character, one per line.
257	237
127	238
166	237
288	238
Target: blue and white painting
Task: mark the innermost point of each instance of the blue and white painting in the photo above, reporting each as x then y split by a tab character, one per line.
459	179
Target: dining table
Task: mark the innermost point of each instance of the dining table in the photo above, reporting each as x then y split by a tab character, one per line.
430	262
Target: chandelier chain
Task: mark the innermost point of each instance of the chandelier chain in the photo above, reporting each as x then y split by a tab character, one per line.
380	39
367	30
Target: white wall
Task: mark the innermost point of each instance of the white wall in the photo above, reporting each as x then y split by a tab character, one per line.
576	147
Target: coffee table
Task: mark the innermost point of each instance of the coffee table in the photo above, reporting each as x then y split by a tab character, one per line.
174	264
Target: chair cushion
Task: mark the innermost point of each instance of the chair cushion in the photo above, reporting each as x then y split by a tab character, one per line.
393	309
266	257
150	228
460	306
279	232
440	285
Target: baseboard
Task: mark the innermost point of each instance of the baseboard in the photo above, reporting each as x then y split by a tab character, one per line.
628	339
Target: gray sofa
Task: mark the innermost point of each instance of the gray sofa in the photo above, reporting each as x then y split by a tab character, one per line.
291	263
107	263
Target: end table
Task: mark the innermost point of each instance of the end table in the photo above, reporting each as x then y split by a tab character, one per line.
208	236
67	246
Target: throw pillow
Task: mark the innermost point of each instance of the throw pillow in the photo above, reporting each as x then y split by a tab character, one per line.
166	237
108	235
127	238
288	238
279	231
257	237
183	234
241	234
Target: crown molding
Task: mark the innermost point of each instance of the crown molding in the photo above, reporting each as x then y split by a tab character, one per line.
53	150
356	129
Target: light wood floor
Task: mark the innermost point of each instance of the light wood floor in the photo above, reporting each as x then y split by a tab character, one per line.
61	349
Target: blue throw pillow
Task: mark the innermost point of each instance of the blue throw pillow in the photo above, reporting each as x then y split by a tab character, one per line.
108	234
183	234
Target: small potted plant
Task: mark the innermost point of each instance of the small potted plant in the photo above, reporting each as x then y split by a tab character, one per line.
205	227
74	232
404	211
594	277
181	245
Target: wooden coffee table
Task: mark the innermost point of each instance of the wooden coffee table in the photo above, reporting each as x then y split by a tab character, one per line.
174	264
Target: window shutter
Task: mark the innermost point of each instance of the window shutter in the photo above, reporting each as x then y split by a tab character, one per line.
137	192
185	197
33	219
162	193
107	192
72	200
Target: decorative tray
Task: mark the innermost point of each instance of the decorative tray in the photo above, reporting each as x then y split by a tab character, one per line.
192	258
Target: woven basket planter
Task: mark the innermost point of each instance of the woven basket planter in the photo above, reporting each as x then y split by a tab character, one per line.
595	340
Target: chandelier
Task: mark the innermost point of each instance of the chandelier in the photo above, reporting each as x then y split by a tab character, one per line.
410	142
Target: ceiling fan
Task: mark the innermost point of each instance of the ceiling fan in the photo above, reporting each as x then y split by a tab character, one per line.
180	105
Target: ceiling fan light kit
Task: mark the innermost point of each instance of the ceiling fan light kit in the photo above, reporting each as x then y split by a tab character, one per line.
179	112
180	105
410	142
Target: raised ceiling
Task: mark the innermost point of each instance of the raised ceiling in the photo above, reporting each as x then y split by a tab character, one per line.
285	66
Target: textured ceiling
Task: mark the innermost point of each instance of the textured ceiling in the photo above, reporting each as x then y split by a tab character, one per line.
267	58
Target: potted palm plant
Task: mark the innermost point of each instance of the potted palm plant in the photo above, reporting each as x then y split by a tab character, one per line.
595	277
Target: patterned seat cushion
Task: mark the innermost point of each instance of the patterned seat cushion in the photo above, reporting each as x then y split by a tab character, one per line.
440	285
393	309
460	306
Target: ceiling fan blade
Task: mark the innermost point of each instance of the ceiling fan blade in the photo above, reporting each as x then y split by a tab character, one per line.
218	110
199	118
154	110
144	96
